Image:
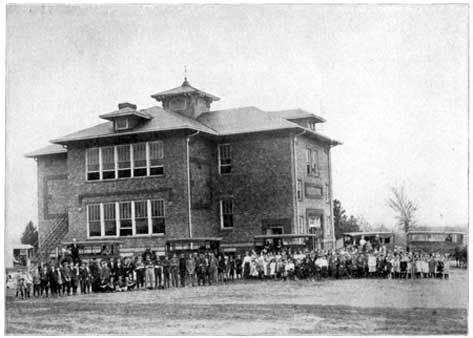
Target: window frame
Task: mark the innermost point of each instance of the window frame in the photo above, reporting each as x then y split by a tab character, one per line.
87	171
222	214
151	217
300	190
220	159
135	218
89	221
159	158
127	123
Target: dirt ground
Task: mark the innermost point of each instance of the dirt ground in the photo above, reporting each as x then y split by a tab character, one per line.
328	307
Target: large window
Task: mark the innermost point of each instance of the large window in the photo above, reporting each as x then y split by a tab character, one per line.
124	161
141	217
157	217
139	160
93	220
108	163
126	223
130	218
110	220
226	213
156	155
225	158
93	164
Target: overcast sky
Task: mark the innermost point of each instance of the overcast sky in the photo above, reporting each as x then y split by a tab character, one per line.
390	80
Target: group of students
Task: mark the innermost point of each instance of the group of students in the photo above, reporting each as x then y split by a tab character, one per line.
73	276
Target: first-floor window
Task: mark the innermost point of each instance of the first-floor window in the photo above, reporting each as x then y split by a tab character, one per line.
315	221
301	225
110	221
226	213
157	217
93	219
126	224
327	226
141	217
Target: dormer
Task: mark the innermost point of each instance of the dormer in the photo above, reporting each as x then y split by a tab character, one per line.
186	100
126	117
301	117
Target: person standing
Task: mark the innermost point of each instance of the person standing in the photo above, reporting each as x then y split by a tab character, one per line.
174	263
182	270
166	270
45	281
190	268
149	272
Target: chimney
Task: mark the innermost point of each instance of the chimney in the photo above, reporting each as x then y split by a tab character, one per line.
126	105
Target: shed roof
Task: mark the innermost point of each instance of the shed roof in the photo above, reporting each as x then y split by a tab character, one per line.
51	149
295	114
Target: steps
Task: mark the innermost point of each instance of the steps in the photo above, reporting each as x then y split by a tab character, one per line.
54	237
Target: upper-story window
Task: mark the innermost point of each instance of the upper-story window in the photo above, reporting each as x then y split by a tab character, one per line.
93	164
156	155
226	213
225	158
121	124
299	190
126	160
327	193
108	163
312	125
312	162
139	160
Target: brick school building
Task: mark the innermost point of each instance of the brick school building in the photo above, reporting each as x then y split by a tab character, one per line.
182	170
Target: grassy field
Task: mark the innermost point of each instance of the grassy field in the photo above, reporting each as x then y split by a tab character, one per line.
255	308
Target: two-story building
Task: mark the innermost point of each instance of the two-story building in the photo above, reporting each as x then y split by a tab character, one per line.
181	170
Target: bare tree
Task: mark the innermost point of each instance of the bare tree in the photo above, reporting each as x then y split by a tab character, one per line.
404	208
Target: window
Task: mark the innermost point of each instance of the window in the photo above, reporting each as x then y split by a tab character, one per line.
141	218
110	220
139	159
124	163
225	158
157	217
312	125
156	154
327	226
312	162
299	190
301	229
93	164
315	221
309	161
327	195
121	124
93	220
126	224
226	213
108	163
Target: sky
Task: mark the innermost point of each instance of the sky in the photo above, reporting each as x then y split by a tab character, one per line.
391	81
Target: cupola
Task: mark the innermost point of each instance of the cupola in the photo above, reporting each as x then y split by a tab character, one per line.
186	100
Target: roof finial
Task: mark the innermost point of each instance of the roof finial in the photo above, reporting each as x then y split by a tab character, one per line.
185	83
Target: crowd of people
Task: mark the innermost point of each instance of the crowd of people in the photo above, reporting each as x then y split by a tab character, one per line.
72	275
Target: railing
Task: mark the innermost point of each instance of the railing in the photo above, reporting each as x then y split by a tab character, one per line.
53	237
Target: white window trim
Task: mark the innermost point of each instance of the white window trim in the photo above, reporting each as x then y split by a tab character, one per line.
221	216
150	217
220	157
123	128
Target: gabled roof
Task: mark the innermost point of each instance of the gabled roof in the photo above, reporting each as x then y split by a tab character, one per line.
295	114
243	120
162	120
51	149
184	89
125	112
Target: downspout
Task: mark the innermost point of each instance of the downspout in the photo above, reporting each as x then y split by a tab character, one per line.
189	202
294	154
330	195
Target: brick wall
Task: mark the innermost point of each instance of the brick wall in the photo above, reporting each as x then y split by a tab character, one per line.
311	203
260	184
53	191
171	187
